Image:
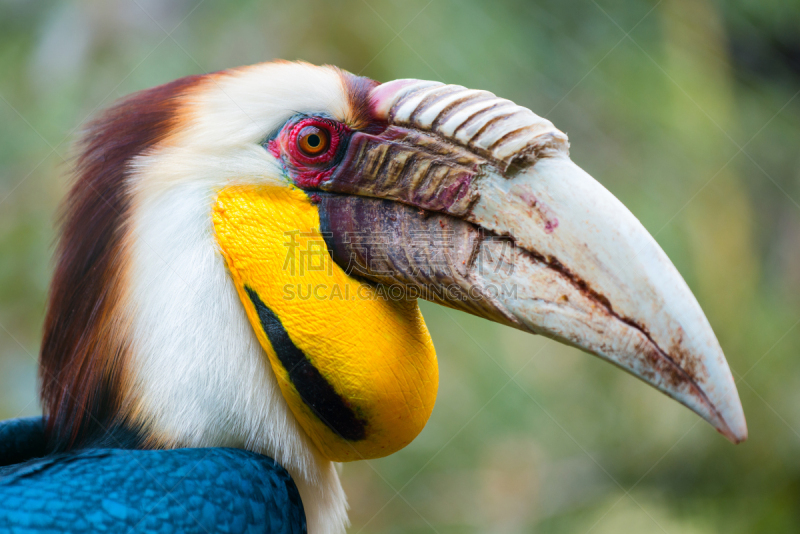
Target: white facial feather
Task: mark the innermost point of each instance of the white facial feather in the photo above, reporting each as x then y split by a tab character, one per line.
199	376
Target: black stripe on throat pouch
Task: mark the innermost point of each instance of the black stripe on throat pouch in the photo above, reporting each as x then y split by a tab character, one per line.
315	391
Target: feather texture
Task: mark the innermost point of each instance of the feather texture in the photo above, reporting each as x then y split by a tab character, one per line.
181	490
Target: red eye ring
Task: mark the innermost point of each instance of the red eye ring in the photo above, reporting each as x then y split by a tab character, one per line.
313	141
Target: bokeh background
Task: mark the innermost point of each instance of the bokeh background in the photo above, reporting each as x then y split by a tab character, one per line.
687	110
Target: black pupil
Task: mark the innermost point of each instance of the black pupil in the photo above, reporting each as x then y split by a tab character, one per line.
314	140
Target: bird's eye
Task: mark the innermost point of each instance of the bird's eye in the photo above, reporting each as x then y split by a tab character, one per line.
311	144
313	140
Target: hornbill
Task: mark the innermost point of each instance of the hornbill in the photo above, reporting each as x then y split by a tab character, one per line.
234	304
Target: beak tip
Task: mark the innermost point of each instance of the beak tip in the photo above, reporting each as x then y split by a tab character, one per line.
737	437
738	433
732	425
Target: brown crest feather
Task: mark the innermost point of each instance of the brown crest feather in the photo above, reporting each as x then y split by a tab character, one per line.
85	344
358	89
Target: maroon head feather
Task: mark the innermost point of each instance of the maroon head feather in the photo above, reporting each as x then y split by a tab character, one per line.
83	355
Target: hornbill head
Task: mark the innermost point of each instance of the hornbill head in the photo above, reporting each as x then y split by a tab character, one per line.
242	252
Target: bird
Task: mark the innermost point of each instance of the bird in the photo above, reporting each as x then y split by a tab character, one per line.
234	306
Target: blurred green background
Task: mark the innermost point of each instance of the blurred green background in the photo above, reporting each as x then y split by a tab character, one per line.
687	110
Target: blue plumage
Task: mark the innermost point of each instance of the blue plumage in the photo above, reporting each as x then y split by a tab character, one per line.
120	490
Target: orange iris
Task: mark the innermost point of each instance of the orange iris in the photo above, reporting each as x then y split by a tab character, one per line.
313	140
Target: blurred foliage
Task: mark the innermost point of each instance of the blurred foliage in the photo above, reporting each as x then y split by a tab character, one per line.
687	110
